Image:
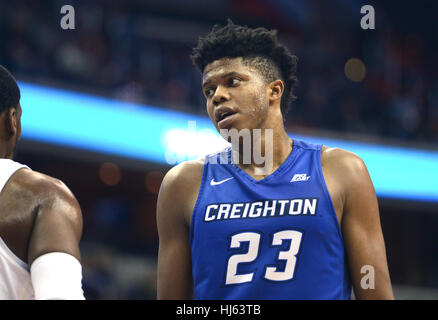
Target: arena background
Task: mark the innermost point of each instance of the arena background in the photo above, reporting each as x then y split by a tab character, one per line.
360	88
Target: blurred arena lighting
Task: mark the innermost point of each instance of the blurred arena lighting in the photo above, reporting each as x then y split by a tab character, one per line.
103	125
110	174
399	173
355	70
151	134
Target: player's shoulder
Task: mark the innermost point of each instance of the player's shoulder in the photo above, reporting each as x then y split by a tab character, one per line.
342	162
185	173
40	185
179	190
336	154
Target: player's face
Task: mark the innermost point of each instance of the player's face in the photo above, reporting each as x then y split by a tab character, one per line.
236	94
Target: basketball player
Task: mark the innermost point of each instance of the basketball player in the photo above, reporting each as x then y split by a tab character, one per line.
306	229
40	219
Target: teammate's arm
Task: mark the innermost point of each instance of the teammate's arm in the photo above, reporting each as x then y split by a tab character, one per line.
362	232
53	251
175	203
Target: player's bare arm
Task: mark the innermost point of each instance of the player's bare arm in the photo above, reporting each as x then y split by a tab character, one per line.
40	220
47	217
176	200
44	229
57	225
356	205
53	250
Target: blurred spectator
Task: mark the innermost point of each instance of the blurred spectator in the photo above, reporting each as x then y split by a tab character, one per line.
125	52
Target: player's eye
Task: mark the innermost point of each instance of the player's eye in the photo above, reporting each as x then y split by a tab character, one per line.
234	81
208	92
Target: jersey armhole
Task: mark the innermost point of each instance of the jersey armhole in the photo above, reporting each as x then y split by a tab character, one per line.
198	200
327	194
12	256
346	283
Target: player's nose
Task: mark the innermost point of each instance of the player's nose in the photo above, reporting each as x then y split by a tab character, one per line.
220	96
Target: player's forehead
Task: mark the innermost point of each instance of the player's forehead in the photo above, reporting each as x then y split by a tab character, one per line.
223	66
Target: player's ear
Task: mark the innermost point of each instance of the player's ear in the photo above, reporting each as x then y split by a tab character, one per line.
276	89
12	121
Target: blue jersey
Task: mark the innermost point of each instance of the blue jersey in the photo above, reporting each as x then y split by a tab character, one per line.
277	238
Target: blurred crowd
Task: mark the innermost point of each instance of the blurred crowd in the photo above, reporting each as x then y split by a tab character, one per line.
130	53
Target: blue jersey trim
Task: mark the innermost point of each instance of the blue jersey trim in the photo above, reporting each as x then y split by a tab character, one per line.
336	221
327	194
198	200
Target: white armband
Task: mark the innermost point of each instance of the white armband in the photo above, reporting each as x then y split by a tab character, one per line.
57	276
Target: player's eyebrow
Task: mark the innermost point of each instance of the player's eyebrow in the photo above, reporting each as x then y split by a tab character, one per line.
232	73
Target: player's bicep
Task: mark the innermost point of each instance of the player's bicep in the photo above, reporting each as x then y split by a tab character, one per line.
363	235
57	226
174	279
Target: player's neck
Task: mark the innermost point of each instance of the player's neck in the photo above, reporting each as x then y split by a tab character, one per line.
4	152
269	148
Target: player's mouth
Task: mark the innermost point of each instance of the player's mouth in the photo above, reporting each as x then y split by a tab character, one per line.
224	117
